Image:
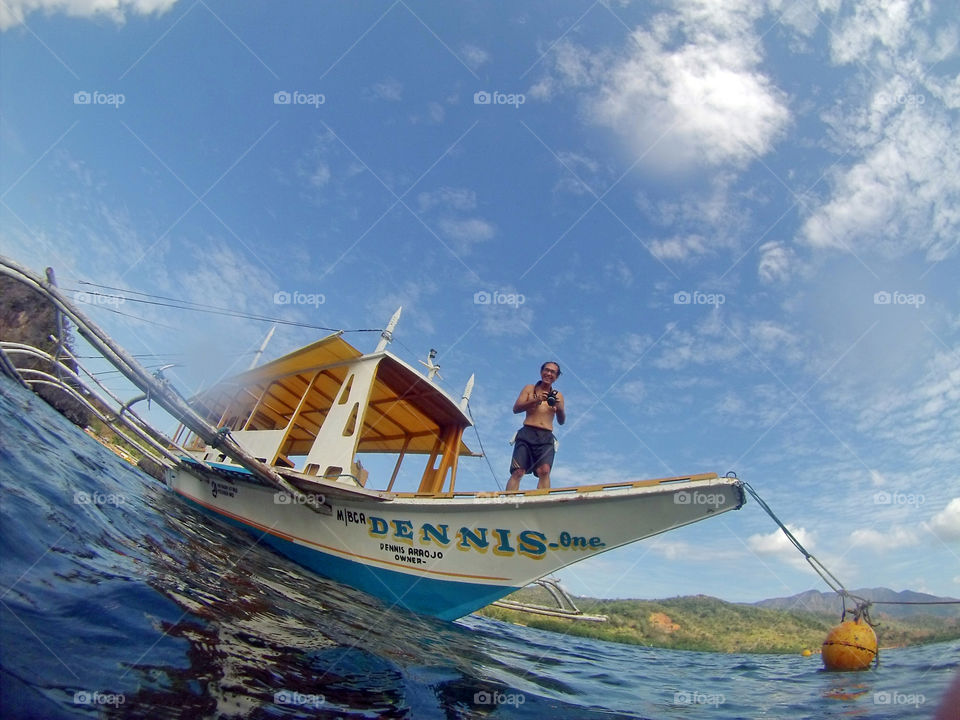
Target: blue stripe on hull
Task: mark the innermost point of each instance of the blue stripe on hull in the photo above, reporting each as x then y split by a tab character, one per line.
445	599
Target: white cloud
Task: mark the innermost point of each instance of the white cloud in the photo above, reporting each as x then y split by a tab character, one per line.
15	12
450	205
321	175
391	90
886	23
466	232
898	197
897	193
946	523
690	91
776	545
775	262
890	539
770	337
474	56
449	198
681	247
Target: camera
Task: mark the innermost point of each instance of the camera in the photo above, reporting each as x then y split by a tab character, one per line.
552	398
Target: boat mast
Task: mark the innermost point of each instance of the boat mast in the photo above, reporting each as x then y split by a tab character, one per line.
387	335
256	355
467	392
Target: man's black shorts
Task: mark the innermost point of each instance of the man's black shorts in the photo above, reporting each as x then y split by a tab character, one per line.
532	448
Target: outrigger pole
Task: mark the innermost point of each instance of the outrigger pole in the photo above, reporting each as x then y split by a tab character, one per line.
155	388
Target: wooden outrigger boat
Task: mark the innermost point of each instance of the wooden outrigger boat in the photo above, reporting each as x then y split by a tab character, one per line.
278	450
311	416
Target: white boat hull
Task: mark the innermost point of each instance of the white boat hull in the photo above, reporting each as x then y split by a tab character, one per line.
449	556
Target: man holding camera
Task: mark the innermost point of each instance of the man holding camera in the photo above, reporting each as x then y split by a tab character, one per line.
535	445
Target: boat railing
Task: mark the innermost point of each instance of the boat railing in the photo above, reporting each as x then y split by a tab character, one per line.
148	441
571	490
152	385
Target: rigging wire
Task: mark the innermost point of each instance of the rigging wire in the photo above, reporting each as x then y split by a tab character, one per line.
209	309
480	443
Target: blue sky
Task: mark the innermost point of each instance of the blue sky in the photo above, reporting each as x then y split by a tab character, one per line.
733	224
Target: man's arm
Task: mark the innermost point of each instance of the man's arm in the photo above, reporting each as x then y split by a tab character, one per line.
526	401
561	409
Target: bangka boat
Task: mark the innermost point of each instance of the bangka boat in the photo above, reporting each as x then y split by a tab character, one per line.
312	416
278	450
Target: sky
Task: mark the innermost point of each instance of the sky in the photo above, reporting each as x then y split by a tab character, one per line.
733	224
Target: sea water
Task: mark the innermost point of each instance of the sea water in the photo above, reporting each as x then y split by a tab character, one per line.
118	600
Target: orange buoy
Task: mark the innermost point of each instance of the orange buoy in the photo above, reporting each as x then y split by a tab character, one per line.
850	646
807	653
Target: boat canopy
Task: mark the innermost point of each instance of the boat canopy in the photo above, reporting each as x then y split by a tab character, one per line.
404	412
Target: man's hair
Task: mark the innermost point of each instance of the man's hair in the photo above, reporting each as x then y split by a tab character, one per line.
551	362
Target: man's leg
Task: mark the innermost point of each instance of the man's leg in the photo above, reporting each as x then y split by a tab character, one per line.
543	472
514	482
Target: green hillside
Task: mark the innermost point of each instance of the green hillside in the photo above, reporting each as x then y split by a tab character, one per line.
706	623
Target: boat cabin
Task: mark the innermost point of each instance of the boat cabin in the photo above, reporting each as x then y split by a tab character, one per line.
319	408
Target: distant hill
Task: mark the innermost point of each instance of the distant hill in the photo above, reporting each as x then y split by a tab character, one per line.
705	623
829	602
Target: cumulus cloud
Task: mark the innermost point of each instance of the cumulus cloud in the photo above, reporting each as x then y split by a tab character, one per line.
775	545
946	523
690	90
15	12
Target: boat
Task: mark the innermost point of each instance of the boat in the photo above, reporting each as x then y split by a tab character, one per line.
279	451
313	415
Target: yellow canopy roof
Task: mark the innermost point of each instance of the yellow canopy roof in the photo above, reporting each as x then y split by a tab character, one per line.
405	409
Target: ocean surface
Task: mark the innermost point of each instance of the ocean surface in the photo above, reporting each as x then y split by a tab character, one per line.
118	600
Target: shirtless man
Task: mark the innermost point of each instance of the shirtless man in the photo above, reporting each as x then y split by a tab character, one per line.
534	447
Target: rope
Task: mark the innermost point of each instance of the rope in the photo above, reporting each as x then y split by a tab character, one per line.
862	605
209	309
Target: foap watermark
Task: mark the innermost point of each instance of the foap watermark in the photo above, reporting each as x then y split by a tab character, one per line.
698	498
482	97
282	297
295	97
98	498
486	697
292	697
688	697
85	97
898	498
482	297
905	99
98	298
893	697
95	697
698	298
284	498
899	298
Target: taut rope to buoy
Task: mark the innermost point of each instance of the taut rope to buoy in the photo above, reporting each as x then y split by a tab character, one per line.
852	645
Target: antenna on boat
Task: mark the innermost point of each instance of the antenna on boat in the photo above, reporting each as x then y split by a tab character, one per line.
258	353
434	370
387	335
467	391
